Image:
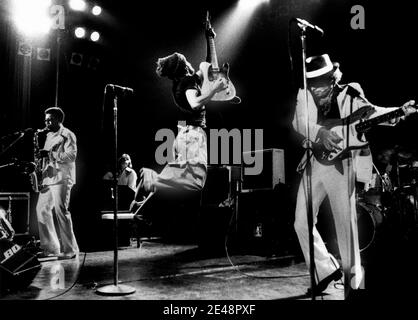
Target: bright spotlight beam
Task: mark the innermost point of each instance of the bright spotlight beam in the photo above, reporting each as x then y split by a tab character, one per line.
250	4
31	17
233	26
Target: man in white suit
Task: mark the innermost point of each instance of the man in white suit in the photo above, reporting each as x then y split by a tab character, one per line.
59	176
328	99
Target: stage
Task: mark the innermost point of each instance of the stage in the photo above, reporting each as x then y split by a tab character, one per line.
100	68
164	271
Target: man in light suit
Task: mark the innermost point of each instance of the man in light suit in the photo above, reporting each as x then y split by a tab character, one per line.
59	176
328	99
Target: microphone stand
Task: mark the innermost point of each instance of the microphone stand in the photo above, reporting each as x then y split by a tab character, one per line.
308	167
116	289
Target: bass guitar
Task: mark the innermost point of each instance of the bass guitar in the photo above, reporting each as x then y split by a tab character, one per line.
211	71
352	130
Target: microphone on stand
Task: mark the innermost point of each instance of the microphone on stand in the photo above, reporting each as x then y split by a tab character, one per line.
355	93
119	89
303	23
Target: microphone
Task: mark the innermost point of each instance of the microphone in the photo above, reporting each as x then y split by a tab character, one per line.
356	93
303	23
120	89
42	130
353	92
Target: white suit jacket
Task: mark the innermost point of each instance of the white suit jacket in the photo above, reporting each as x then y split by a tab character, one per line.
62	147
362	164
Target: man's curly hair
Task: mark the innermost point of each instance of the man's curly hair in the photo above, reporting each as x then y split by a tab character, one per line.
172	66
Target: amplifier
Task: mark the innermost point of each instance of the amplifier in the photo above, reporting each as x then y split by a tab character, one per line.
18	266
17	208
273	171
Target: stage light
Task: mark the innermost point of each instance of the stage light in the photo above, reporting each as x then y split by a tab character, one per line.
31	17
250	4
233	26
80	32
77	5
97	10
95	36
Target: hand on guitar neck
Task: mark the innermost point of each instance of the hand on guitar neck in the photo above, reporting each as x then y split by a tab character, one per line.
409	108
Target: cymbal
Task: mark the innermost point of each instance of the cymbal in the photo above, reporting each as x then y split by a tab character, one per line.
405	155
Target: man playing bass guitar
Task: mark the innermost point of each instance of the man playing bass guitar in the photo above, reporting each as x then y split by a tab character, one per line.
327	101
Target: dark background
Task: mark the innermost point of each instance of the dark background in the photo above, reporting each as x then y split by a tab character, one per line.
382	57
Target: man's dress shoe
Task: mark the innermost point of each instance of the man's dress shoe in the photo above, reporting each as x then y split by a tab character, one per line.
323	284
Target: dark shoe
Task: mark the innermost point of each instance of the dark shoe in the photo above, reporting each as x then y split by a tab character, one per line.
323	284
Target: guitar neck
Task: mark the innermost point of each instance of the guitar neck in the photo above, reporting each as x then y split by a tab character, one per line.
365	125
212	51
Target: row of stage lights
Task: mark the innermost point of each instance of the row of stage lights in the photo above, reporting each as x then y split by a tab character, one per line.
81	5
34	18
81	32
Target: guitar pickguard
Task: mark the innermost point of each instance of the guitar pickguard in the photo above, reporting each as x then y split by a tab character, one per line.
210	75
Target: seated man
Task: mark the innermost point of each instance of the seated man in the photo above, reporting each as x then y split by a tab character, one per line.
126	176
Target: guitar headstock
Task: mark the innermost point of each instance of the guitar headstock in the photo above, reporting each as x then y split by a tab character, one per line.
208	27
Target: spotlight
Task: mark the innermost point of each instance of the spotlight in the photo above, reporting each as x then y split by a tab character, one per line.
77	5
80	32
251	4
97	10
31	16
94	36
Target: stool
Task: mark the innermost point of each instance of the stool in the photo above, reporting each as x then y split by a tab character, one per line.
121	215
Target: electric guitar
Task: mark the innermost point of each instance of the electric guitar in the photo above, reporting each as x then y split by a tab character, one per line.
211	71
351	129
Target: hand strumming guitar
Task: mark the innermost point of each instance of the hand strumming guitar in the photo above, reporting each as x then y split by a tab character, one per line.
329	139
218	85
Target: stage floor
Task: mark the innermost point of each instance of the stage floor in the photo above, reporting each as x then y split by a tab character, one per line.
166	271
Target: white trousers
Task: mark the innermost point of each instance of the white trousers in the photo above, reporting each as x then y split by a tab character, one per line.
60	238
339	187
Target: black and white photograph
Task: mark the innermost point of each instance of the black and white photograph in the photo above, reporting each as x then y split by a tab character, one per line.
209	157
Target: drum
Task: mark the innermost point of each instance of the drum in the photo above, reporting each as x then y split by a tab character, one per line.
377	191
372	197
369	219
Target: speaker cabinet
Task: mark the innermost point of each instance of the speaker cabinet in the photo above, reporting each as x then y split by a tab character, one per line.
265	222
18	266
17	205
273	170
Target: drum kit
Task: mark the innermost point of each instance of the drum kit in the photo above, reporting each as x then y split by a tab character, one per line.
391	198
